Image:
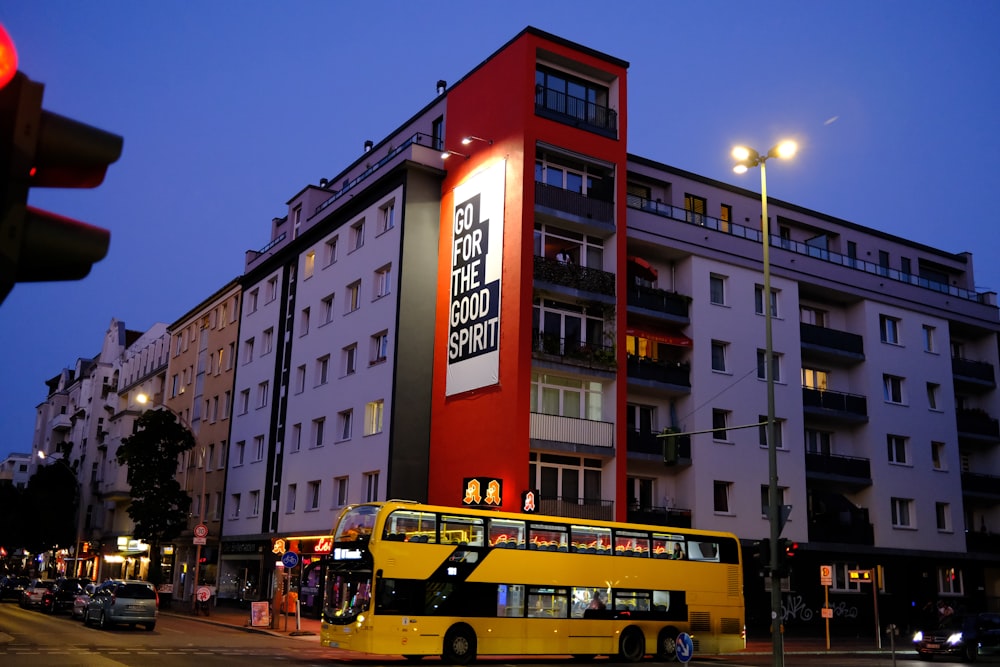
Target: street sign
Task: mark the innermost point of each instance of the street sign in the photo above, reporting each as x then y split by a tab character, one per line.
200	534
290	559
203	594
826	575
685	647
826	612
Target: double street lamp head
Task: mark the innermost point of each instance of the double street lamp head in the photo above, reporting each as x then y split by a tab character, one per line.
747	157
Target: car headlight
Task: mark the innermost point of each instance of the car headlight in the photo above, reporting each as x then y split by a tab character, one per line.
955	638
918	636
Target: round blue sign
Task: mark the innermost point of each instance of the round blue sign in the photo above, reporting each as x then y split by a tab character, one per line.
685	647
290	559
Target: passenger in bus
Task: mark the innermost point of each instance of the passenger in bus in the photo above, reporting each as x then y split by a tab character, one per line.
678	551
596	602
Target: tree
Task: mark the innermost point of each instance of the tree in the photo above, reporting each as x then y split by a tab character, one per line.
51	495
159	506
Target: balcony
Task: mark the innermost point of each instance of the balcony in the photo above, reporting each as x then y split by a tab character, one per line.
578	112
573	352
674	517
973	376
558	429
849	470
977	425
577	508
671	376
576	277
660	302
834	406
982	542
981	487
835	519
831	345
577	206
60	422
640	442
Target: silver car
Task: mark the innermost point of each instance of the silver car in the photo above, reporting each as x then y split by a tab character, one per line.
123	601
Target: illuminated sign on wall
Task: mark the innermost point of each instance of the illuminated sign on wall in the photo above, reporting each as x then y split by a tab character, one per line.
474	285
486	491
529	501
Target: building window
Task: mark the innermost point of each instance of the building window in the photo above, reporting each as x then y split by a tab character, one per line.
437	133
373	417
371	487
575	97
263	390
932	395
814	316
293	490
566	397
818	442
358	234
304	321
387	217
353	296
340	483
380	347
896	445
258	448
323	369
248	350
330	251
725	217
717	290
382	277
695	209
719	355
310	265
765	496
889	329
950	581
942	512
326	309
892	389
345	419
813	378
254	503
300	379
318	426
929	343
296	438
720	495
244	401
762	431
241	447
272	289
312	496
758	297
901	512
234	506
232	357
762	365
350	358
937	455
252	301
720	422
267	341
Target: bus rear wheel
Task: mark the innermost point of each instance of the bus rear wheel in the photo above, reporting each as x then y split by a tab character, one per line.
632	646
459	645
666	645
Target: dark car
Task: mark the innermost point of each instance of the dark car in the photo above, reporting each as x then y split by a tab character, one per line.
12	587
963	635
61	596
34	593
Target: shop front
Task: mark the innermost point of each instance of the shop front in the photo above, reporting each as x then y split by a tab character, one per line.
242	569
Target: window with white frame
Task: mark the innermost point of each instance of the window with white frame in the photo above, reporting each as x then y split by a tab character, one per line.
330	251
889	329
290	494
223	451
719	349
814	378
230	360
721	492
720	422
295	438
779	425
318	426
344	420
248	350
565	396
234	506
258	448
263	391
371	487
932	395
326	309
819	442
380	347
758	296
323	369
304	321
717	290
897	446
227	404
300	378
382	280
950	581
892	389
554	242
340	483
765	497
938	460
251	301
762	365
349	356
373	417
244	401
387	217
564	328
812	315
254	503
930	345
271	289
942	512
902	512
312	495
358	234
309	265
267	341
241	447
353	296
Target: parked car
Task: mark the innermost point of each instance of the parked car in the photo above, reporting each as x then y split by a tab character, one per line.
963	635
11	587
123	601
62	595
81	600
34	593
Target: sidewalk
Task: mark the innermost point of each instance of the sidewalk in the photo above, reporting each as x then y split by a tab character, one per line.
235	616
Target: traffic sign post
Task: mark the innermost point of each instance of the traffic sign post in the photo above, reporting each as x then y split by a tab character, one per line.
826	580
685	647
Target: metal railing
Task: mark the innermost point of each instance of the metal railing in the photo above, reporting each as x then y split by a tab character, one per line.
575	109
667	372
835	401
575	276
591	355
556	428
844	466
574	203
577	508
833	339
662	301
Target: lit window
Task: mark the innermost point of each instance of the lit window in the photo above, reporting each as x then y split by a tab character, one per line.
373	417
310	264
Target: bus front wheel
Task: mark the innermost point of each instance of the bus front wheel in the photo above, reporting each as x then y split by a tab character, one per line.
632	646
666	645
459	645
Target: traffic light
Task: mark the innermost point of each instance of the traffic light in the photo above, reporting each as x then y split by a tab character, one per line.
39	148
764	552
786	555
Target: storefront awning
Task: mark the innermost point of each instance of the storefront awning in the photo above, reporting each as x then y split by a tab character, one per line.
677	340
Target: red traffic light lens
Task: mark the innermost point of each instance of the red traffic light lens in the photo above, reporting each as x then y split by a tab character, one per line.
8	57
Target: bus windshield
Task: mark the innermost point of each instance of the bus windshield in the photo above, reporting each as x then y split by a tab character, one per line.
356	523
348	595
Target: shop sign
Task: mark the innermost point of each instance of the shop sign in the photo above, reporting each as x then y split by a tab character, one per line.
482	491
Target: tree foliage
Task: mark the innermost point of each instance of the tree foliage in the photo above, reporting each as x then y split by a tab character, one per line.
159	505
51	495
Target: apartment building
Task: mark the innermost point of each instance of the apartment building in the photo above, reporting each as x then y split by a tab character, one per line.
15	470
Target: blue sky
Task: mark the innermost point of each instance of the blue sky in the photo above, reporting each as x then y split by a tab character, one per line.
230	108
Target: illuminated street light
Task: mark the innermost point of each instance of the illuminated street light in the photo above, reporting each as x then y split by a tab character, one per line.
747	158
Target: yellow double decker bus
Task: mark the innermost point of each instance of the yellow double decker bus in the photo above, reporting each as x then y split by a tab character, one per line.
414	580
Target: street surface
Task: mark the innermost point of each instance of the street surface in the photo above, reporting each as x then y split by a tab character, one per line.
31	638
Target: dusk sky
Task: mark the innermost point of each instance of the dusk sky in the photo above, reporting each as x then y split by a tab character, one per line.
230	108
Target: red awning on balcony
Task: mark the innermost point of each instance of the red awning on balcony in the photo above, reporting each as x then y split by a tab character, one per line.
677	340
641	268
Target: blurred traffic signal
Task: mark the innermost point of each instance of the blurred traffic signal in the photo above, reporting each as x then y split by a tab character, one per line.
786	555
39	148
764	552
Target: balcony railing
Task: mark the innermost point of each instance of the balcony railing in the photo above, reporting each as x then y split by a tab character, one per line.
842	342
577	508
674	517
574	276
573	351
680	214
574	203
564	108
981	542
642	442
982	486
972	372
834	403
60	422
851	467
666	372
977	423
555	428
659	300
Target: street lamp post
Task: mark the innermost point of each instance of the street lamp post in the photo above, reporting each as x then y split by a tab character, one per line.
745	159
